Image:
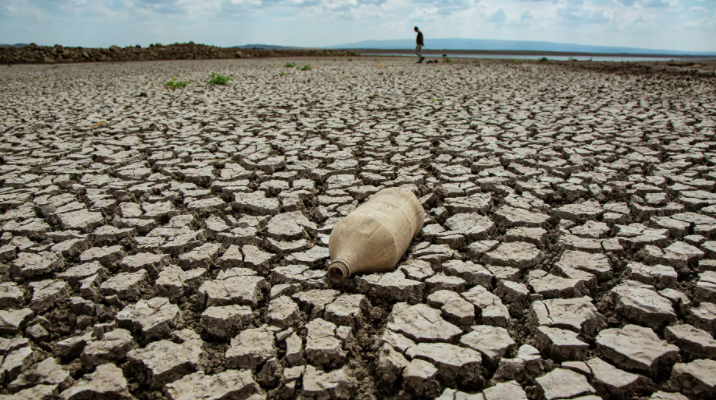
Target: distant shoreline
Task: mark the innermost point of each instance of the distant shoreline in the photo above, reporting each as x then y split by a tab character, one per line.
435	52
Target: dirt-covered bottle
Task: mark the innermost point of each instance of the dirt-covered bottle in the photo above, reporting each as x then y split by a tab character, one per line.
375	235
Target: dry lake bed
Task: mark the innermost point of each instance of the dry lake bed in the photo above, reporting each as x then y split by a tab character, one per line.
172	244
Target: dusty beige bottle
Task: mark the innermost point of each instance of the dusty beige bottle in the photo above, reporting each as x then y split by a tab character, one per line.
375	235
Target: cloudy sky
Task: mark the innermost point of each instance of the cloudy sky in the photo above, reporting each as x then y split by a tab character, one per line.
688	25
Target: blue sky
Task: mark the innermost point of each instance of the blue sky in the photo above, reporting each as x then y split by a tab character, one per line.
688	25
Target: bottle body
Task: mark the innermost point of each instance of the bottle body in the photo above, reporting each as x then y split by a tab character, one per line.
375	235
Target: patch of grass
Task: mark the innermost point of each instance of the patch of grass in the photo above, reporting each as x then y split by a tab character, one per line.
543	59
290	64
174	84
217	79
350	59
282	74
306	68
54	66
447	59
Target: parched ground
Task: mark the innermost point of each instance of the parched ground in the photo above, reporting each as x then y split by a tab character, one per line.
178	249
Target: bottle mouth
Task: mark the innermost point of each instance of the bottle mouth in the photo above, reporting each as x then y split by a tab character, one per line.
338	271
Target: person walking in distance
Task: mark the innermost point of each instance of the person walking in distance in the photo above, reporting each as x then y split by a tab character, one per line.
419	45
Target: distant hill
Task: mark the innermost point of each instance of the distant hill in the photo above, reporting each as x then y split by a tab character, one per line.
13	45
506	45
264	47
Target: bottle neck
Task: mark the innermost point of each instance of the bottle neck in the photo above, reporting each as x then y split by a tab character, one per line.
338	271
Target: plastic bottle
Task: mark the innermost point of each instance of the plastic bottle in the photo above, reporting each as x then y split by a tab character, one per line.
375	235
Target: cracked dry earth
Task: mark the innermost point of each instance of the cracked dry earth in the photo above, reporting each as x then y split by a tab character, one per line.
179	251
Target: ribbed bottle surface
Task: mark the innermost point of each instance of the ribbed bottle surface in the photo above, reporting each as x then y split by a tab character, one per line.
375	235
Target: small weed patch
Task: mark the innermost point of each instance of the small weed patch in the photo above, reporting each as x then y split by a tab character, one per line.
306	68
447	59
54	66
174	84
544	59
350	59
217	79
282	74
290	64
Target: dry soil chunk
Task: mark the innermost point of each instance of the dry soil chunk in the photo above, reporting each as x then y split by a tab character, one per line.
473	274
420	378
126	285
492	311
230	384
154	317
112	346
390	364
11	321
614	381
335	384
706	287
393	286
225	321
47	293
105	383
200	257
453	306
148	261
642	304
165	361
234	286
420	322
697	378
323	348
10	295
564	384
520	217
251	348
283	312
174	282
692	340
514	254
472	225
593	263
636	348
30	264
491	341
579	315
455	364
510	390
560	344
347	310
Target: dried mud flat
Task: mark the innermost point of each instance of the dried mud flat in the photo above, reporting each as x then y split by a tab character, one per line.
178	251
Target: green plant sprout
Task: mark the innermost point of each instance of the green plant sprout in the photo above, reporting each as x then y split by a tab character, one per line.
217	79
174	83
306	68
290	64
